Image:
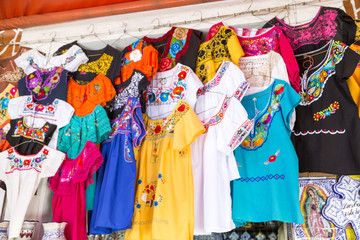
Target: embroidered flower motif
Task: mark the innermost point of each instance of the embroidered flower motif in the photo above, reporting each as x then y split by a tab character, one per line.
36	89
59	70
41	93
317	116
29	106
33	82
151	97
181	108
165	64
16	160
38	159
182	75
174	49
27	162
46	152
55	78
135	55
30	76
164	96
19	123
5	103
50	109
335	105
10	150
13	90
29	132
178	90
157	129
46	128
180	33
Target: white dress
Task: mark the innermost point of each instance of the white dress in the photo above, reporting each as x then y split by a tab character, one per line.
22	175
213	162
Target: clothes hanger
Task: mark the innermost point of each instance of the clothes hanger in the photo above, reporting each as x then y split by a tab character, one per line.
158	26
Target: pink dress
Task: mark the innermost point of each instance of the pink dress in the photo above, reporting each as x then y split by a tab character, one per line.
69	184
261	41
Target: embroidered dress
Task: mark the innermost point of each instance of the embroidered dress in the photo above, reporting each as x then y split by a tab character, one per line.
213	161
58	113
140	56
261	41
45	86
9	71
178	45
6	95
4	128
32	60
106	61
357	34
329	23
21	133
327	117
115	188
164	195
133	87
268	187
224	46
69	184
85	98
168	87
22	174
354	81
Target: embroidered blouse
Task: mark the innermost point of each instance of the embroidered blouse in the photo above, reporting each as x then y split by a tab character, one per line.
133	87
24	172
106	61
58	113
141	56
178	45
168	87
10	92
329	23
21	133
85	98
32	60
327	117
224	46
45	86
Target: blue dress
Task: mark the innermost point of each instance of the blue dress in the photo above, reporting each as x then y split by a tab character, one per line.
268	187
115	189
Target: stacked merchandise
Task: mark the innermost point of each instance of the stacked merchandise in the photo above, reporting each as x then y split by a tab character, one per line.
174	137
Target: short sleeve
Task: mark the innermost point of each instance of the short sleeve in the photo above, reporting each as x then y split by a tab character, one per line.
73	58
16	106
52	162
239	84
138	130
348	64
23	61
348	27
187	129
235	49
103	126
288	103
193	86
64	113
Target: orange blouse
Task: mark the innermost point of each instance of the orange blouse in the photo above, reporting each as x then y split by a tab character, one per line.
85	98
4	128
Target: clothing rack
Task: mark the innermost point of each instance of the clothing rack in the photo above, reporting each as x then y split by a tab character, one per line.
201	19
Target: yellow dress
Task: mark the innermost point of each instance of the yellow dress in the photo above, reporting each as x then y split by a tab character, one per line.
224	46
164	198
354	81
9	93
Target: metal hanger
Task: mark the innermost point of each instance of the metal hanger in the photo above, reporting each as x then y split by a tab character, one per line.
158	26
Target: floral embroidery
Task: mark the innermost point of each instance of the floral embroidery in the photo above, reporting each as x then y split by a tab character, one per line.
33	108
324	131
218	117
159	128
327	112
40	89
165	63
4	102
135	55
3	132
357	34
261	45
167	95
323	29
35	133
312	87
26	163
272	158
149	197
180	33
100	65
211	84
262	178
54	234
241	90
216	48
240	134
262	126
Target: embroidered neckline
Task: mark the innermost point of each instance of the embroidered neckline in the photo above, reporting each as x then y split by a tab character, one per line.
101	65
26	162
263	122
23	130
216	118
304	25
35	108
215	80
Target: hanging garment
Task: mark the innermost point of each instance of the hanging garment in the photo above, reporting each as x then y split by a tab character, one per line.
213	161
45	86
115	188
224	46
178	45
357	34
58	113
261	41
4	128
22	133
164	198
354	81
6	95
22	174
329	23
106	61
141	56
69	184
85	98
168	87
133	87
32	61
9	71
327	117
268	187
